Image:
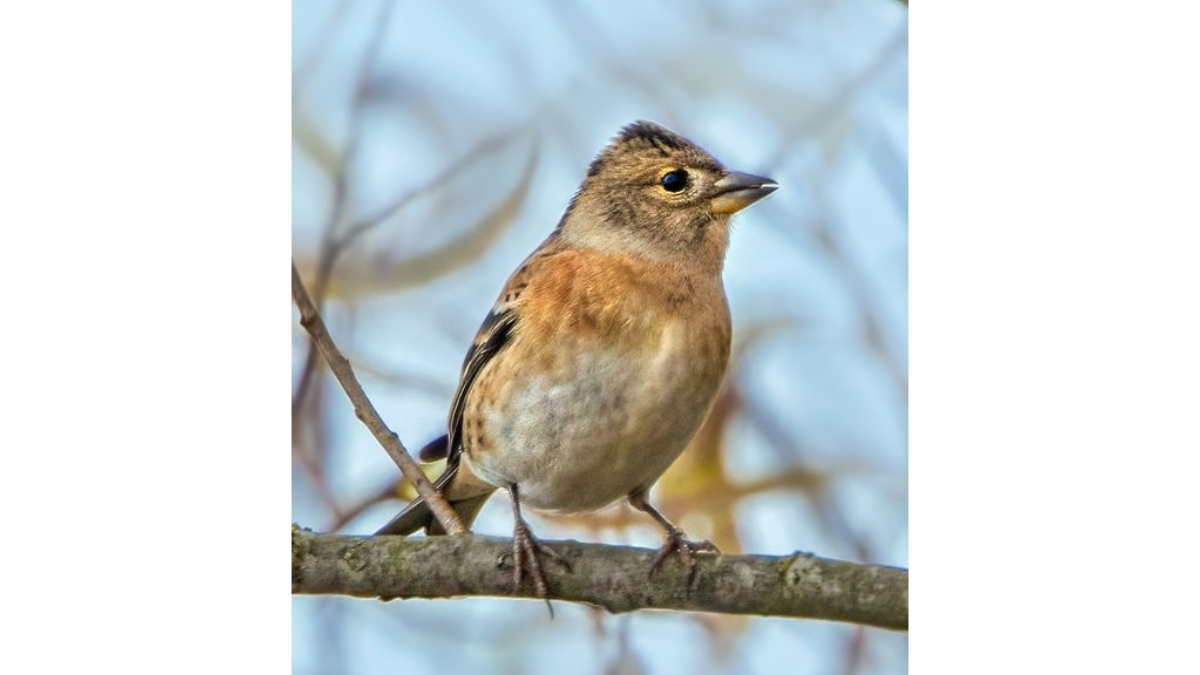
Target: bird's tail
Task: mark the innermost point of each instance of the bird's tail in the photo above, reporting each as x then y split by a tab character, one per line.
417	516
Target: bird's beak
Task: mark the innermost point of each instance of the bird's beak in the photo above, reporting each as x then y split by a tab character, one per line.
736	190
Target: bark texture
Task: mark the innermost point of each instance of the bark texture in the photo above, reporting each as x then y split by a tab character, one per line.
612	577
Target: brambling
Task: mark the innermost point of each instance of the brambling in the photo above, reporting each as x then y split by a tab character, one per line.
605	350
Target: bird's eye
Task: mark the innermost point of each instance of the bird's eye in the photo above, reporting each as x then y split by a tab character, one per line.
674	181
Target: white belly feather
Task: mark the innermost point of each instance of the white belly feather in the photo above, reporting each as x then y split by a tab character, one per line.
612	422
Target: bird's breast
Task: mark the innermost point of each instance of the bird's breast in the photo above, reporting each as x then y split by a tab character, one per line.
599	403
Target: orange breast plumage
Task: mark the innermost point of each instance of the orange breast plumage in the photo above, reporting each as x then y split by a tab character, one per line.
606	377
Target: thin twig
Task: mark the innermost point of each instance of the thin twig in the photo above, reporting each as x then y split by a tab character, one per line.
331	246
365	410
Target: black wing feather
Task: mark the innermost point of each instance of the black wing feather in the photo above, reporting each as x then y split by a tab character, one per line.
493	335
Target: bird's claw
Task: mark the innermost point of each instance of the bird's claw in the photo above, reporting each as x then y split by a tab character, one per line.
527	548
683	548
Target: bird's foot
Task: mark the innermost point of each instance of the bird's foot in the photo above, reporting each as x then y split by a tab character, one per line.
526	548
683	548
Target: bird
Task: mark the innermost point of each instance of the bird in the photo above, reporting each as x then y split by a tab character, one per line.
604	351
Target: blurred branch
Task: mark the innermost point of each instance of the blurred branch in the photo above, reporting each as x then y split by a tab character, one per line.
871	320
856	651
342	517
445	259
309	63
365	410
613	577
486	146
330	246
839	104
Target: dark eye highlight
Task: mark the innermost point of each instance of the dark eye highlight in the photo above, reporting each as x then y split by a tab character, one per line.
674	181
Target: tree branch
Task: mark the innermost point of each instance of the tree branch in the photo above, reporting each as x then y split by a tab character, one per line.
365	410
331	245
612	577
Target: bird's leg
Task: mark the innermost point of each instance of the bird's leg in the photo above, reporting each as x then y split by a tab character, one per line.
677	543
527	547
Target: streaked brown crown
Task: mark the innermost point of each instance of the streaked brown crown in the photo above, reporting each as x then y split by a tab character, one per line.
644	141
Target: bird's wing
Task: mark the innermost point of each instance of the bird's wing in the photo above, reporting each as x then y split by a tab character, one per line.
491	339
493	336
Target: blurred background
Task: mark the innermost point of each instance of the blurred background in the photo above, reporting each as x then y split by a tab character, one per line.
436	144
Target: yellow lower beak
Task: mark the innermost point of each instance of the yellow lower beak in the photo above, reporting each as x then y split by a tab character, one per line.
736	190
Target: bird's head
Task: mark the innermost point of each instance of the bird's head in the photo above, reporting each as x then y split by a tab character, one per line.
653	192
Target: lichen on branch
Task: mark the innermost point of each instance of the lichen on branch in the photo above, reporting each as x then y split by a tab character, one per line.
613	577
